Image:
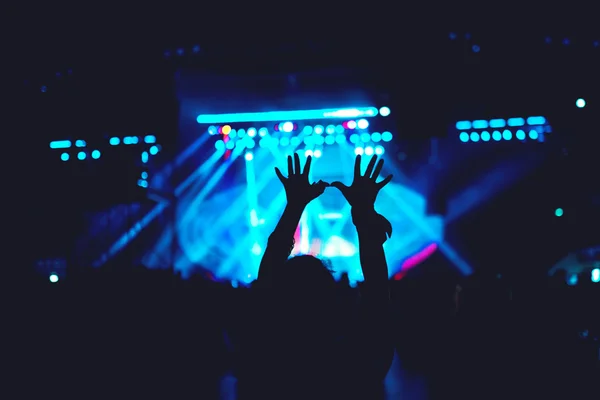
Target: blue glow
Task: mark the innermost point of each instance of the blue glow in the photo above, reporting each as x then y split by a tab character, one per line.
475	48
463	125
150	139
80	143
572	280
516	122
287	127
521	134
497	123
64	156
485	136
96	154
154	150
81	155
580	103
533	134
384	111
480	124
144	175
114	141
142	183
474	137
362	124
506	135
386	136
497	136
60	144
287	115
330	129
536	121
596	275
319	129
145	157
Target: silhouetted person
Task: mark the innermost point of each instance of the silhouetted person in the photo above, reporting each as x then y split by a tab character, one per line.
299	348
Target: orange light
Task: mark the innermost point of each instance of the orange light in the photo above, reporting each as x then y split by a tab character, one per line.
226	129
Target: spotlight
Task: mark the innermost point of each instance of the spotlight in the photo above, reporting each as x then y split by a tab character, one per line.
580	103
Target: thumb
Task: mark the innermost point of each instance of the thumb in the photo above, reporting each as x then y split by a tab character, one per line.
279	175
339	185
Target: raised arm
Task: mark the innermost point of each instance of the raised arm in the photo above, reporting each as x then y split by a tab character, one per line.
376	347
299	192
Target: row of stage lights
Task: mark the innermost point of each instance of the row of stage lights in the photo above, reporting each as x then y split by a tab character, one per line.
536	126
269	141
82	154
289	127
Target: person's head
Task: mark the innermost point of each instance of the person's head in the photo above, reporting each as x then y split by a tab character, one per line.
306	287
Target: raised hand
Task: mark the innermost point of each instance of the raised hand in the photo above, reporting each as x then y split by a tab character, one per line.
364	189
298	189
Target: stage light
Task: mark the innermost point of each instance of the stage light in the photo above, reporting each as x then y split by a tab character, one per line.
60	144
241	133
308	153
533	134
232	133
263	132
506	135
53	278
44	89
252	132
317	153
572	280
359	151
64	156
497	123
516	122
580	103
559	212
142	183
81	155
250	143
230	145
365	137
150	139
96	154
295	141
379	150
497	136
340	139
226	129
464	137
262	142
329	139
80	143
351	124
596	275
376	137
474	137
386	136
536	121
384	111
212	130
462	125
284	141
145	157
144	175
319	129
362	124
330	129
249	157
307	130
288	127
354	138
114	141
479	124
475	48
485	136
369	150
319	140
154	150
288	115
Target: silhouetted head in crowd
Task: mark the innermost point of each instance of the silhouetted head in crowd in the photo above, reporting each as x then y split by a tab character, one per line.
307	290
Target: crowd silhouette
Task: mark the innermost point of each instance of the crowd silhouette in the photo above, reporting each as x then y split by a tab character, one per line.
297	333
